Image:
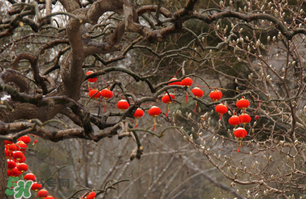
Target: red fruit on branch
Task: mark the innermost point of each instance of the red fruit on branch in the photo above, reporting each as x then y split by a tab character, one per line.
197	93
26	139
12	147
240	133
94	93
244	119
29	176
22	167
18	155
8	154
36	186
215	95
9	173
91	195
42	193
106	94
21	146
234	120
49	197
138	113
221	109
186	82
154	111
11	164
94	79
15	172
7	142
167	99
20	160
174	83
242	103
123	104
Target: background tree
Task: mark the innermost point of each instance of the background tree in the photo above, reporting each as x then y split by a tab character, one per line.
252	49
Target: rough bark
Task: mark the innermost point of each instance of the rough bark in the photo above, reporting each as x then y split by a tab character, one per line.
3	169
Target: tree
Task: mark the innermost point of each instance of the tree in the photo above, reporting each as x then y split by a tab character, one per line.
250	49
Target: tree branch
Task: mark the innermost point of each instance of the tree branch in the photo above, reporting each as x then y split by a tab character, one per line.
33	61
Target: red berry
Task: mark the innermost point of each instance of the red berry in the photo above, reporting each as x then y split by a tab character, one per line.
166	99
197	92
123	104
94	93
242	103
215	95
138	113
94	79
186	82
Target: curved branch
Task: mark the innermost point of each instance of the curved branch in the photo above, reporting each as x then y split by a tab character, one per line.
33	61
248	18
10	75
154	8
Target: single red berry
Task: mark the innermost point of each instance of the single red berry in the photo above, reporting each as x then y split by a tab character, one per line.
21	160
94	79
215	95
12	147
94	93
234	120
15	172
22	167
29	176
221	109
36	186
42	193
123	104
240	133
21	146
197	92
26	139
8	154
242	103
138	113
154	111
11	164
91	195
18	155
106	93
7	142
244	118
166	98
187	82
174	83
9	173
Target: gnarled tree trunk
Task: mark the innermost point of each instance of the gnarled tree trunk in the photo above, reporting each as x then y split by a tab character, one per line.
3	168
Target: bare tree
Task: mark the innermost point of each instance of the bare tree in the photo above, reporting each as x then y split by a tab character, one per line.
252	49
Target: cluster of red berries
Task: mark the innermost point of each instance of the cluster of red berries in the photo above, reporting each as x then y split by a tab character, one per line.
17	167
16	164
168	98
234	120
